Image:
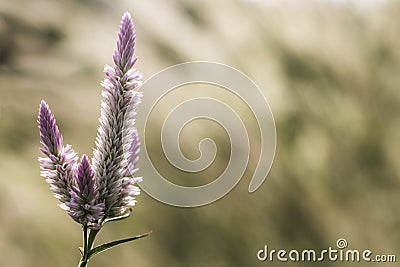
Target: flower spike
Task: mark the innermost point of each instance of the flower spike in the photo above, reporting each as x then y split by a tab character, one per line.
116	132
103	190
59	164
82	206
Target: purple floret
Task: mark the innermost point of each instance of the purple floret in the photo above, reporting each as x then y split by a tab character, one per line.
83	206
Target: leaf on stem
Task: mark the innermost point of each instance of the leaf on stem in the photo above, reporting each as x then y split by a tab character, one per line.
109	245
118	218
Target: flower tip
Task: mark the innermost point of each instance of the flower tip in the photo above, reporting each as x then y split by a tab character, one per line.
127	16
84	168
127	22
85	159
43	105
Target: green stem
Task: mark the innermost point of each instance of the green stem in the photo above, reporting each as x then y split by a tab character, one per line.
85	241
84	260
82	263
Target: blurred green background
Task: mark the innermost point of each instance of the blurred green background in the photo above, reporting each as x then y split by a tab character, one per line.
329	69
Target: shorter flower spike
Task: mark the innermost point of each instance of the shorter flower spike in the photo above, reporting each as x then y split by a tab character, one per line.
59	164
83	207
51	138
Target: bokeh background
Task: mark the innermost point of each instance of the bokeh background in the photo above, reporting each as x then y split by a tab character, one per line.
329	69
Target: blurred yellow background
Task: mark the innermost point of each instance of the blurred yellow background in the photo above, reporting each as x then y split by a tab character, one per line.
329	69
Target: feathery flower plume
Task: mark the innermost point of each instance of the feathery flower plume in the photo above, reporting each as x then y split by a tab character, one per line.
94	194
59	164
111	157
82	206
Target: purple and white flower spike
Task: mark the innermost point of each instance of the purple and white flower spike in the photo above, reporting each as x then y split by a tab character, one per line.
60	162
84	195
116	132
97	193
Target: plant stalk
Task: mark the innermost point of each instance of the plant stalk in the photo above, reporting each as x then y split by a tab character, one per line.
84	260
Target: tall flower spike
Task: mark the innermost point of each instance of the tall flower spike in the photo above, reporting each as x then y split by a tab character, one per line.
82	206
59	164
115	133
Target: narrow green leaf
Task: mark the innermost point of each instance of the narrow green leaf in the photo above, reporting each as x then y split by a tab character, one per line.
123	216
109	245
